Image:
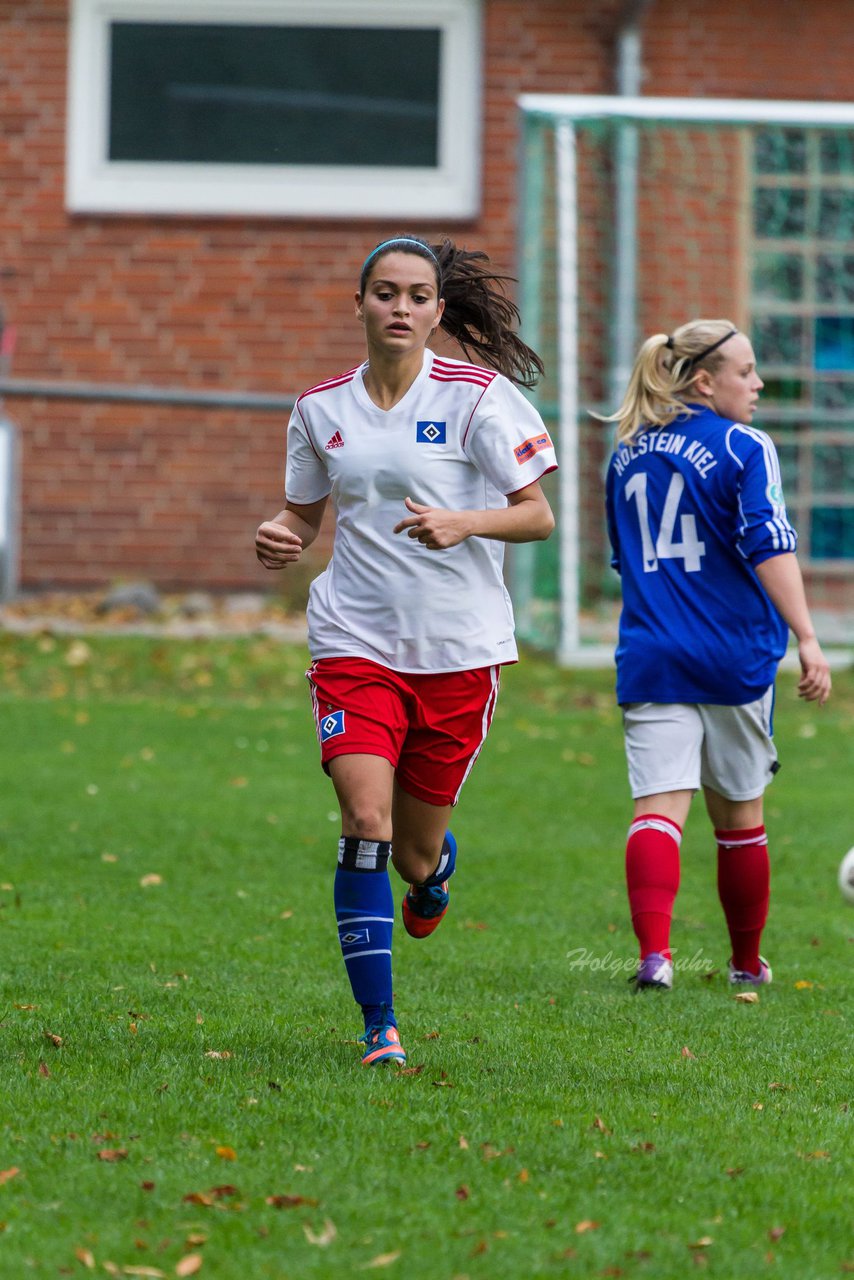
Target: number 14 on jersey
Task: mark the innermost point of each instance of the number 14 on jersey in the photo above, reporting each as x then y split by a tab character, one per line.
689	548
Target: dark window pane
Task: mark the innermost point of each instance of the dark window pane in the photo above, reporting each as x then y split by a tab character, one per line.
239	94
834	343
779	339
836	215
780	212
835	277
782	390
781	151
778	277
832	533
833	468
835	393
788	455
837	152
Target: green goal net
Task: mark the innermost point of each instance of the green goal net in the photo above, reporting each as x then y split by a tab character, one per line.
638	214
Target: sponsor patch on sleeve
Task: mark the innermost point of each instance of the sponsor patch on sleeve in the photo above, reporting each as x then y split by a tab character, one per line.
534	444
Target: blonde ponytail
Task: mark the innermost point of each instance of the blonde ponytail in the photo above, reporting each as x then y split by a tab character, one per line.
661	385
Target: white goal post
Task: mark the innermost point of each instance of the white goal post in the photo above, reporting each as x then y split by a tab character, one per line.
760	195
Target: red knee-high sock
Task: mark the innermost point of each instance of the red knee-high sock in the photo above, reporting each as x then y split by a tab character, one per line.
652	878
743	887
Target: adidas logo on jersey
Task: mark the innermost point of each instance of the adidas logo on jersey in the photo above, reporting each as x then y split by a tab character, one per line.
336	442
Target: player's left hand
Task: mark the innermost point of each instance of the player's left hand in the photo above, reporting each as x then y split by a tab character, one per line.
435	528
814	684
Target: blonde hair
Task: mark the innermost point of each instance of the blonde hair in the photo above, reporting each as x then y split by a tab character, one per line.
662	381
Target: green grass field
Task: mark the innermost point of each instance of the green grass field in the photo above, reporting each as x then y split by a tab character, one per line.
181	1087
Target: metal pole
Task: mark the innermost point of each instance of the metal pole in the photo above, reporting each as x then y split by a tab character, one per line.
531	165
568	365
8	509
140	394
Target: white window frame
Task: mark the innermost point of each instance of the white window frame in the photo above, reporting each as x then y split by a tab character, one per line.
96	184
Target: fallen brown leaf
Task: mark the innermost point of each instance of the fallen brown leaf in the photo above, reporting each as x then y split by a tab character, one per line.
226	1153
111	1155
321	1238
686	1052
290	1202
381	1260
600	1124
54	1039
463	1143
217	1053
587	1224
702	1243
747	997
814	1155
153	1272
190	1265
86	1257
411	1071
43	1071
462	1193
146	882
776	1232
198	1197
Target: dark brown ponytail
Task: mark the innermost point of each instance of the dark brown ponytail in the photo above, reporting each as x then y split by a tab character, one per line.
480	316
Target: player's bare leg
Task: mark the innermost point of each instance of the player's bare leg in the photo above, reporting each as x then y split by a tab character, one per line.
424	854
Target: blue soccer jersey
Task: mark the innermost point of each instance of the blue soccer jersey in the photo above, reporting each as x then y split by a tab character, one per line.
692	509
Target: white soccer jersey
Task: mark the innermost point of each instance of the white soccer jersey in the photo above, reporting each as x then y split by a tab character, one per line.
461	438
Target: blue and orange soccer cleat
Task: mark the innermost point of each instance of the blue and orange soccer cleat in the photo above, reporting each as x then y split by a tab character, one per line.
382	1044
424	905
744	978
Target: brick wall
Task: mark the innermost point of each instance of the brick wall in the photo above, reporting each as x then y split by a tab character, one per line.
116	491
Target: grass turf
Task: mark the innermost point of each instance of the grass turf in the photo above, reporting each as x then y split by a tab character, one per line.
181	1088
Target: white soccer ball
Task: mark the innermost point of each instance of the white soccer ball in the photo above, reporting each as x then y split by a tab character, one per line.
846	876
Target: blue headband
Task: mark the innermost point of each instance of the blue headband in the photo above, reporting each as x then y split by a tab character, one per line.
399	240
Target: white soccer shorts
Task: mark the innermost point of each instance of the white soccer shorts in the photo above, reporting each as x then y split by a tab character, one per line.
680	746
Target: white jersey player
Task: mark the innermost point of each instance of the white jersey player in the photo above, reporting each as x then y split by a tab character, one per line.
431	465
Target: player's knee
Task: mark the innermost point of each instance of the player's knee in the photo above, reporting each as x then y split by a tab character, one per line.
365	821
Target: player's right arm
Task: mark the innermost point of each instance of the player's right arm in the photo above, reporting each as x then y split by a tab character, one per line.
282	540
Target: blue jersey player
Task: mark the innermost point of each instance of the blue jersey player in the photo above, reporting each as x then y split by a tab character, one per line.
711	586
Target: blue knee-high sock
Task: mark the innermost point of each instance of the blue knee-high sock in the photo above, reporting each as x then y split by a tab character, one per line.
364	908
447	862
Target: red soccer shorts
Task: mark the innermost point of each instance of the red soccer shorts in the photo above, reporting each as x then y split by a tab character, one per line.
430	727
